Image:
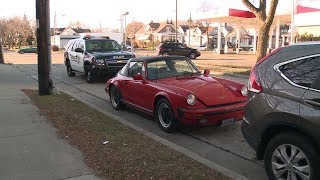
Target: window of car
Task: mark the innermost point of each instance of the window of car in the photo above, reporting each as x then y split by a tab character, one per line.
302	72
135	68
75	45
69	47
165	68
102	45
316	83
81	45
124	70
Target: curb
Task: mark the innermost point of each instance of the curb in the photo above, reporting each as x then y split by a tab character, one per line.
190	154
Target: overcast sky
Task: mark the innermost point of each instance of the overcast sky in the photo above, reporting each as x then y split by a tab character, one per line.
107	12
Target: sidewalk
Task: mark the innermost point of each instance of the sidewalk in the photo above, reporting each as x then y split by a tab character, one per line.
30	148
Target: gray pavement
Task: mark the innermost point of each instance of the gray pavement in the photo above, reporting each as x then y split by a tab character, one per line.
30	148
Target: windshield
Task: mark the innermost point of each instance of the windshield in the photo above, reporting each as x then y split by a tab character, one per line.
102	45
166	68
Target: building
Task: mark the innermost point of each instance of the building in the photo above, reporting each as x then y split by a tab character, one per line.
61	36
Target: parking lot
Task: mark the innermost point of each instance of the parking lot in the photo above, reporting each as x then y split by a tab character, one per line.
222	145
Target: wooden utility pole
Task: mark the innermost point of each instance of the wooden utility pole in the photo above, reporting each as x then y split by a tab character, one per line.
1	51
43	44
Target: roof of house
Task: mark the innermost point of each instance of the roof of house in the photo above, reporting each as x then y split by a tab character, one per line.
76	30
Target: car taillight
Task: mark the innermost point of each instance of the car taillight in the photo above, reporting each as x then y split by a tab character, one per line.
254	83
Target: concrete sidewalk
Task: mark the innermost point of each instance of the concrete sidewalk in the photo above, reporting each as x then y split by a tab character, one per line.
30	148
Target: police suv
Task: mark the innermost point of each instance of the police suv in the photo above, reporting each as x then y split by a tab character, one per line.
95	56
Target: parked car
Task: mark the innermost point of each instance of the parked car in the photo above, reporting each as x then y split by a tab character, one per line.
27	50
173	48
95	56
173	90
202	48
282	117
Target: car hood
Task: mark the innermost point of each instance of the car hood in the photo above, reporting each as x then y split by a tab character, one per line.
206	89
112	55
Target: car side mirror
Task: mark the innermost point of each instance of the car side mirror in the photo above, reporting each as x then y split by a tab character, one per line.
206	72
137	76
79	50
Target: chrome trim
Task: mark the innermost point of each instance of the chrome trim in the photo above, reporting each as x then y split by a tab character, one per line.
144	109
277	66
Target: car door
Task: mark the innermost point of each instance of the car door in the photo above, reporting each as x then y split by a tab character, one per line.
133	87
81	56
310	105
182	50
74	56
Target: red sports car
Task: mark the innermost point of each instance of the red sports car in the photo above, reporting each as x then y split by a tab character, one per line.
173	90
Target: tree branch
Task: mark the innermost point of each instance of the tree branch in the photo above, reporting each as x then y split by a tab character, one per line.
272	11
250	6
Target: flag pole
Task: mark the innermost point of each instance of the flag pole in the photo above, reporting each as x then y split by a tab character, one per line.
292	22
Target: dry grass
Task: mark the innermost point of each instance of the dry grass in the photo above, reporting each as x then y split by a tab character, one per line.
127	155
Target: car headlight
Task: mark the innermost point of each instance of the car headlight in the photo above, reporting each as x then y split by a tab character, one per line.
191	99
244	91
100	61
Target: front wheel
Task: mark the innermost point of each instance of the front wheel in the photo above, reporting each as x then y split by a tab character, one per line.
291	156
90	77
165	116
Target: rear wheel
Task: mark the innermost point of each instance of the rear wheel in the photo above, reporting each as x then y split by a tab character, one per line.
291	156
165	116
115	98
192	55
70	71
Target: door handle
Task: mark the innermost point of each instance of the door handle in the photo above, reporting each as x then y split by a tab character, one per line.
125	82
313	103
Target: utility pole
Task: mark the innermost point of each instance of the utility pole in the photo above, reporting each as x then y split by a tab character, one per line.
1	51
43	44
176	21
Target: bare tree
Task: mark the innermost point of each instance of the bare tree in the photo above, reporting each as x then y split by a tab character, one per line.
264	23
133	27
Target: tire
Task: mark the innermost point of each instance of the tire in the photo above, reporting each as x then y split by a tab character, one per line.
192	55
90	77
70	71
279	153
115	98
165	116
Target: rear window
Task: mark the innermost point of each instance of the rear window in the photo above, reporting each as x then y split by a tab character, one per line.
302	72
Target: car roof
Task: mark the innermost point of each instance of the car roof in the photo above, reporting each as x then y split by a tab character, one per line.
154	58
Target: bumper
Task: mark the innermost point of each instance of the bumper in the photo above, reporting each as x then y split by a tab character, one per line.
105	70
211	116
248	134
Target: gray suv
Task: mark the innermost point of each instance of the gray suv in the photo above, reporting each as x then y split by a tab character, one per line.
282	117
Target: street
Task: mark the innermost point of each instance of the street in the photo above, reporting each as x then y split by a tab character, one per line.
224	146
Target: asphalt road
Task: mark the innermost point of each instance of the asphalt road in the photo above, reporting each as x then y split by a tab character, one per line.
222	145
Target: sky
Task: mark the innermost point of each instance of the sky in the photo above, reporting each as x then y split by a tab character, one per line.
107	13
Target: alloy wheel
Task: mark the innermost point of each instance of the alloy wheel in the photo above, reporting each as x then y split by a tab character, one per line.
289	162
165	115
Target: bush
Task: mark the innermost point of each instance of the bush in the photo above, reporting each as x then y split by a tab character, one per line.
55	48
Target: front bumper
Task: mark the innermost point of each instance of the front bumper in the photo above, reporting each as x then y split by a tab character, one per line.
249	134
106	70
211	115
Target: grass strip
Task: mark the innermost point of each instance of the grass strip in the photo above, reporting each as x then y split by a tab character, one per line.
113	150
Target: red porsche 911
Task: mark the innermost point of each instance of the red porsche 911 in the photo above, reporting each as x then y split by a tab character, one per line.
173	90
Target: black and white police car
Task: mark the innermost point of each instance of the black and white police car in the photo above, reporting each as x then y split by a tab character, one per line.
95	56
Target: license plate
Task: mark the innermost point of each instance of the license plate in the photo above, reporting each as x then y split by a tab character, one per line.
227	122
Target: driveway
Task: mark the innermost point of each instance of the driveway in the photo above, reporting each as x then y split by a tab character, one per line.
224	146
